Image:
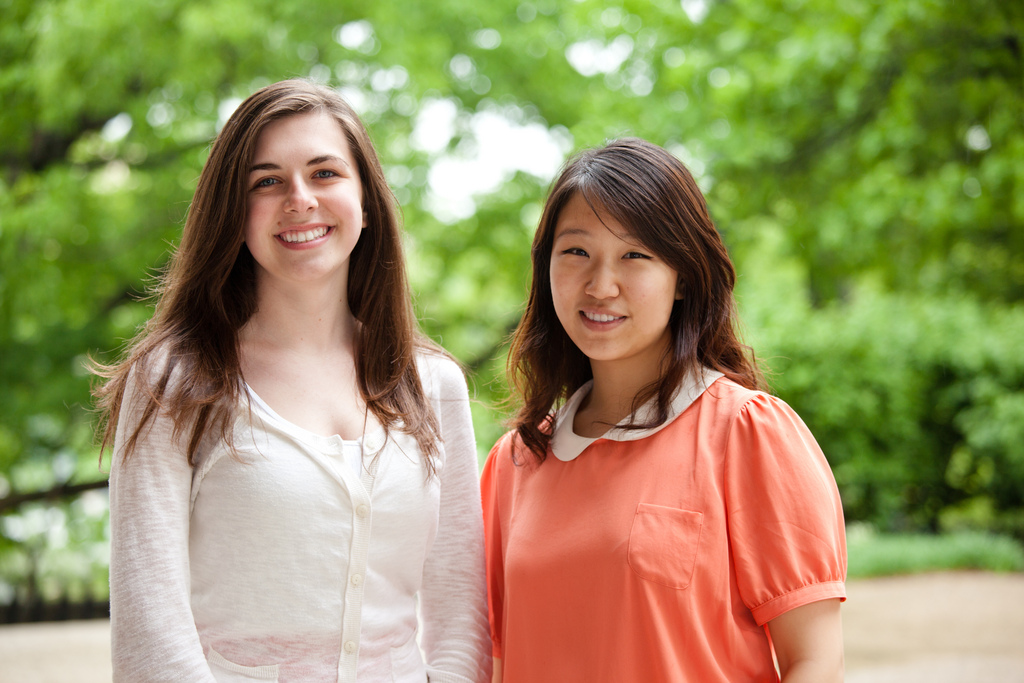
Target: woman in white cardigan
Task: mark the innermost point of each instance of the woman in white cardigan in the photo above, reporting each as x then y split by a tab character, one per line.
294	480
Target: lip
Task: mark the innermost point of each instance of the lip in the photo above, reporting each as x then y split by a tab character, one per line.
587	318
301	238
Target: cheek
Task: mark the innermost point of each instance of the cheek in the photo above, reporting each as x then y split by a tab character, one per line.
251	230
259	225
256	215
657	296
559	287
559	292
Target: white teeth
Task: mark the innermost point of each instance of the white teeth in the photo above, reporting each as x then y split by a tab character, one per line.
298	237
600	317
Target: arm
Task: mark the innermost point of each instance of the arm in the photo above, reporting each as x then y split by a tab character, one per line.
786	521
153	633
808	643
453	596
494	552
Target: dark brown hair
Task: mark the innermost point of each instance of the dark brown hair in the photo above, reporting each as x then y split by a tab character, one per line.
653	195
208	292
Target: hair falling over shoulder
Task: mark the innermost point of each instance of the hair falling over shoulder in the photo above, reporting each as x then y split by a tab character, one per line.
649	191
185	361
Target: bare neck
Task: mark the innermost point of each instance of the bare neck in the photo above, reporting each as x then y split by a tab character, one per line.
298	354
316	319
610	401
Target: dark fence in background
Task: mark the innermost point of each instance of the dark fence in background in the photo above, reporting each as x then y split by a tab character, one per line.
62	610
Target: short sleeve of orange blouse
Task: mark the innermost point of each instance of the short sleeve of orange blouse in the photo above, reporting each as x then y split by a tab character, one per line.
662	557
782	505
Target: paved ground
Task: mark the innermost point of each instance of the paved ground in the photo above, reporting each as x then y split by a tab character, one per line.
935	628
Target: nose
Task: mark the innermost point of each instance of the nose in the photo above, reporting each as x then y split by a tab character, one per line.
602	282
300	199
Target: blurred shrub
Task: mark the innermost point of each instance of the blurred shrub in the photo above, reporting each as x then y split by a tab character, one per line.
874	554
918	403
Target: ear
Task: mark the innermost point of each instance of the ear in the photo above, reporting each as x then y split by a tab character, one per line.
364	219
679	290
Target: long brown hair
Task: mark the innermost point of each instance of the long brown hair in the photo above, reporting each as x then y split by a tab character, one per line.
208	292
653	195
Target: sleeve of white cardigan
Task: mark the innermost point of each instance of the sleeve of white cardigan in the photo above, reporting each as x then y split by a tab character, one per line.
453	598
153	633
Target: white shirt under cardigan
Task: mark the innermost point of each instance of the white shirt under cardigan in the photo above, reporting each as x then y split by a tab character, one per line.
299	562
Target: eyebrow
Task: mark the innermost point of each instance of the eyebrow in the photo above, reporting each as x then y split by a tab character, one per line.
570	232
315	161
577	232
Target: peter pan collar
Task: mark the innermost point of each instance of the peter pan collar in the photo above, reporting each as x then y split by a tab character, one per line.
567	444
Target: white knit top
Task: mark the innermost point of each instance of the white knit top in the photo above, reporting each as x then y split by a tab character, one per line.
300	561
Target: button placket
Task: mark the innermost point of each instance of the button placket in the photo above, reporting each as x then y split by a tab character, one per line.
354	587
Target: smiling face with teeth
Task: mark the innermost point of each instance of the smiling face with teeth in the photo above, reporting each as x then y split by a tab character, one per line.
304	202
612	295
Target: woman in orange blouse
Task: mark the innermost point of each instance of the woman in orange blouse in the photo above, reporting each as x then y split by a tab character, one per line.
653	515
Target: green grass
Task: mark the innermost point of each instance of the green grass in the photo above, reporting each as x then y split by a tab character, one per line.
877	554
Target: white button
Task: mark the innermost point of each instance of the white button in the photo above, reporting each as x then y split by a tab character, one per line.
357	579
350	646
374	442
362	510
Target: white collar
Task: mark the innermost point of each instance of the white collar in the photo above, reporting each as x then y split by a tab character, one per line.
567	444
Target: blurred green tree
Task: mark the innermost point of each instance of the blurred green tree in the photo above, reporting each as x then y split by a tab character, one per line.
861	160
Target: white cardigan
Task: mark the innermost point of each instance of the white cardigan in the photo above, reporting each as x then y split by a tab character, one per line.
294	565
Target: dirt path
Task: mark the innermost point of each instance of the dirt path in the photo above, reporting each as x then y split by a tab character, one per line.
935	628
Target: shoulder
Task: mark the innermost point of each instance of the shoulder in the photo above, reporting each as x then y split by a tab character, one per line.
505	447
509	452
441	376
502	455
728	397
152	374
743	416
160	367
756	424
726	393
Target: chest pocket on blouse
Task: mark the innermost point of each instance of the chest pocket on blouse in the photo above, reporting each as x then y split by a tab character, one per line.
663	544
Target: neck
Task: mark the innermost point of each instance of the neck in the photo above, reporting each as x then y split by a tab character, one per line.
313	318
614	391
616	385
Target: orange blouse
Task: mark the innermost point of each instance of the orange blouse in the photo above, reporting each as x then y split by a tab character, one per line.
660	555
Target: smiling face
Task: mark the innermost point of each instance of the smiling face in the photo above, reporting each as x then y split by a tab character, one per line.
612	295
304	202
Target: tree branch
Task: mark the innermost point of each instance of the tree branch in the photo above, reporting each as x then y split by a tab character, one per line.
58	492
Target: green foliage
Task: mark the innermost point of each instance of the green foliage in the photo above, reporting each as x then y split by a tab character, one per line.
873	554
862	160
55	552
915	400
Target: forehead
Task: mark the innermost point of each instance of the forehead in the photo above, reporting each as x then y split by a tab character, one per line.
579	219
313	133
